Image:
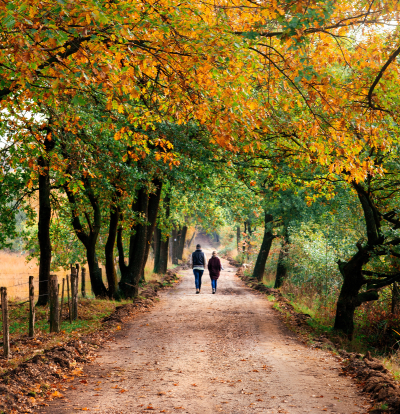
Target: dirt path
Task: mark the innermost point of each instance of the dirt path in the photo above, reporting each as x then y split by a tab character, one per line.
207	353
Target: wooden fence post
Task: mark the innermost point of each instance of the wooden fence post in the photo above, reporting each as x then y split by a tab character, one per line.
6	331
69	301
54	311
31	308
83	282
62	300
74	293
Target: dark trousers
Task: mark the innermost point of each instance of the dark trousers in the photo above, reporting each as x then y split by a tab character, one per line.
197	277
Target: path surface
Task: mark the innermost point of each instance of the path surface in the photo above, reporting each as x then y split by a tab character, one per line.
202	354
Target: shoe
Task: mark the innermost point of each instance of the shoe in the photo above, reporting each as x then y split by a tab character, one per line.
197	291
213	291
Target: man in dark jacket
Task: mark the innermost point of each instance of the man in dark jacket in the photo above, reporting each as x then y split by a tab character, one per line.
198	261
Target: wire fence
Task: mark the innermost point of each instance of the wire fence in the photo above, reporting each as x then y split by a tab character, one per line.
18	291
54	293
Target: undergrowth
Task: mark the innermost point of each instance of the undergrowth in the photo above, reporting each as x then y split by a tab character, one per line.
376	329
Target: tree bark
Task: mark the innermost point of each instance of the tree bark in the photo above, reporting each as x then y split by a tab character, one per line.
191	240
163	264
163	243
353	279
237	237
154	204
281	268
111	273
44	222
182	240
95	273
89	239
157	241
349	297
262	257
174	245
139	241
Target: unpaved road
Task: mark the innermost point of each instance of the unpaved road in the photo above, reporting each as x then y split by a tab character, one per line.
207	353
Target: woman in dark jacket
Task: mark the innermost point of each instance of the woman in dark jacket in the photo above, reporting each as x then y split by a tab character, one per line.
214	267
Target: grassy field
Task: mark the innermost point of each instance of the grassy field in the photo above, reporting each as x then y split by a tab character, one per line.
15	272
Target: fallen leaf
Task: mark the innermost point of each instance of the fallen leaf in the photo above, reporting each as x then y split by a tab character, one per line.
121	391
255	370
83	381
118	328
194	385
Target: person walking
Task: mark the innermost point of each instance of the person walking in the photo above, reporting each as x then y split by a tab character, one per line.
214	267
198	261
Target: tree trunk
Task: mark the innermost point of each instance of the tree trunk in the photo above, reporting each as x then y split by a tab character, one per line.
89	239
163	243
244	240
163	264
237	237
281	268
111	273
191	240
174	245
137	248
44	221
157	241
262	257
44	231
182	239
139	241
353	279
349	297
346	307
95	273
154	204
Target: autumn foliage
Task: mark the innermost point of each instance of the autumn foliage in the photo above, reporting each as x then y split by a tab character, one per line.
112	113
